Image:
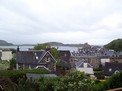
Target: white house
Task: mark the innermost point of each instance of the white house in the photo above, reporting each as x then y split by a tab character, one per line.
104	60
6	55
84	67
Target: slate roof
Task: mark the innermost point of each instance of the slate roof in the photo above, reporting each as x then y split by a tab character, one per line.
27	57
81	64
110	68
65	64
64	55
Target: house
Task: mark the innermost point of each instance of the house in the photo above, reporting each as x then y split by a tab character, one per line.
65	56
106	56
6	55
35	59
85	67
89	53
112	68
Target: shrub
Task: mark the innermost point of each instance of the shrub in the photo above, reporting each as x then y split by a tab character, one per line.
15	75
26	85
115	81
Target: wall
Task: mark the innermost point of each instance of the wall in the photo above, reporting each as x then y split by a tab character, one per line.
6	55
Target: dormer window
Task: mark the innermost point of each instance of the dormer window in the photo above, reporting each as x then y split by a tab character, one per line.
110	69
116	72
37	57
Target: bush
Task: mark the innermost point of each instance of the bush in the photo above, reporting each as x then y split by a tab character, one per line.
75	81
115	81
15	75
26	85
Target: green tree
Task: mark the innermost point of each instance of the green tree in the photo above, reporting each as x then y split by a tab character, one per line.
115	45
75	81
12	63
115	81
53	51
42	46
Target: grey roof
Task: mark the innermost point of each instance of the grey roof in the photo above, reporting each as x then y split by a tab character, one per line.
110	68
81	64
32	56
35	76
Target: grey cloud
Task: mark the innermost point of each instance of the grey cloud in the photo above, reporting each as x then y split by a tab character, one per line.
17	18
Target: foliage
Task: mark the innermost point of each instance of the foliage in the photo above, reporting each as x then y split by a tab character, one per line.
75	81
4	64
26	85
98	87
55	52
115	45
42	46
48	83
115	81
6	84
12	63
15	75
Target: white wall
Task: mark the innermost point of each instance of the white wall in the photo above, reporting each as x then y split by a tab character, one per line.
86	70
6	55
104	60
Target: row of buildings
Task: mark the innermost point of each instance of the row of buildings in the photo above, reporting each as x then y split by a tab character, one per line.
84	59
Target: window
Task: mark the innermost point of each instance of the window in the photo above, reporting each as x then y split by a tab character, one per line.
37	57
116	72
110	69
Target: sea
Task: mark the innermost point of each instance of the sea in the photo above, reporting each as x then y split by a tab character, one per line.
71	49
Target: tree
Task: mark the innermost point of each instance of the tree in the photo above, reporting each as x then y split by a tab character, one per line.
53	51
42	46
115	45
12	63
115	81
75	81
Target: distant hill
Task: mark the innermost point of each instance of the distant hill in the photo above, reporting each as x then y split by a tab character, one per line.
5	43
61	44
115	45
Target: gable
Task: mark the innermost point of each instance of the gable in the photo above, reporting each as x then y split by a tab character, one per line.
64	55
47	58
110	68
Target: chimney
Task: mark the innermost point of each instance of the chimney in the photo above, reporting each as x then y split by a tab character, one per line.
85	65
18	49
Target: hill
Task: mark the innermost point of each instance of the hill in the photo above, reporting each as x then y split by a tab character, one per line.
115	45
61	44
5	43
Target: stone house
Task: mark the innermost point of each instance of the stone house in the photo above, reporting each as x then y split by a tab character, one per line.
65	57
35	59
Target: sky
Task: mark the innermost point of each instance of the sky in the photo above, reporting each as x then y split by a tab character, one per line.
96	22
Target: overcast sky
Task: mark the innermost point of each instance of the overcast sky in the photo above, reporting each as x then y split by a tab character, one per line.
68	21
